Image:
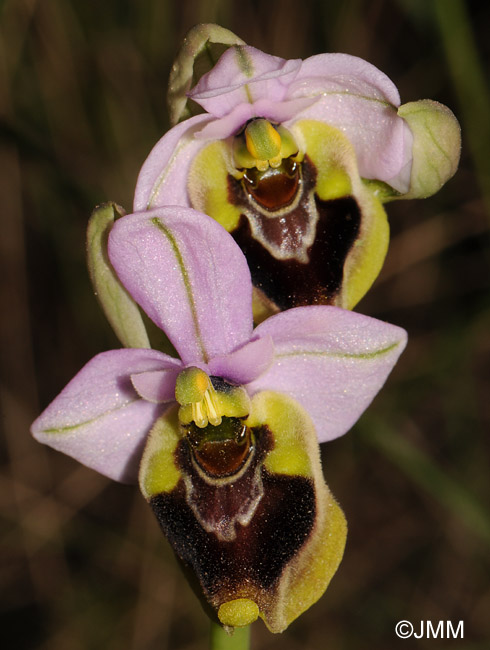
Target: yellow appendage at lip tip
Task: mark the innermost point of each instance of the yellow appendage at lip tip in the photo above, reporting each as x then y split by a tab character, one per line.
238	613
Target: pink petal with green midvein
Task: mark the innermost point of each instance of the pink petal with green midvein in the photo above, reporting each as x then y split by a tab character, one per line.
381	139
163	178
332	361
189	276
362	101
244	74
99	419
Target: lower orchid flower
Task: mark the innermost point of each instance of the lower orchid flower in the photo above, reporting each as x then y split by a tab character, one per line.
295	159
224	438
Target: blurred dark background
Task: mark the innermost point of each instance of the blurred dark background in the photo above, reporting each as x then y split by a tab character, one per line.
82	101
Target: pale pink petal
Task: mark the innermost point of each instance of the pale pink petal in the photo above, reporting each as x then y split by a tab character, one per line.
343	73
332	361
163	178
361	101
244	75
189	276
381	139
99	419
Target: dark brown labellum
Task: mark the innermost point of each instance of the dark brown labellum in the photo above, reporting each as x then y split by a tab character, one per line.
262	541
251	561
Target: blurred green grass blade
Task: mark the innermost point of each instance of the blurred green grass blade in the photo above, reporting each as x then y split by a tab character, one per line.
426	474
454	25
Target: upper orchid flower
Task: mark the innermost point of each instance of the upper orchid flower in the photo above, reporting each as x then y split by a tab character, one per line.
295	158
224	436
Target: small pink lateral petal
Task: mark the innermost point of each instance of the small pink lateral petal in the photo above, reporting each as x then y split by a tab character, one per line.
157	386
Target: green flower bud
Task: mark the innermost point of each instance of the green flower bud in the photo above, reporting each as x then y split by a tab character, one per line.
436	146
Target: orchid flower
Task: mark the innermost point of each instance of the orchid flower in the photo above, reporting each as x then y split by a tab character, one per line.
225	435
295	159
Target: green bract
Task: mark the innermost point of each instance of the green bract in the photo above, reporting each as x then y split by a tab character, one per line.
119	308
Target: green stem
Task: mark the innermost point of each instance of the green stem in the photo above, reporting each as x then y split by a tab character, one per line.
221	640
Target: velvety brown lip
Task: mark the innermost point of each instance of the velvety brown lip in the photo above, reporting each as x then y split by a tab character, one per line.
255	559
